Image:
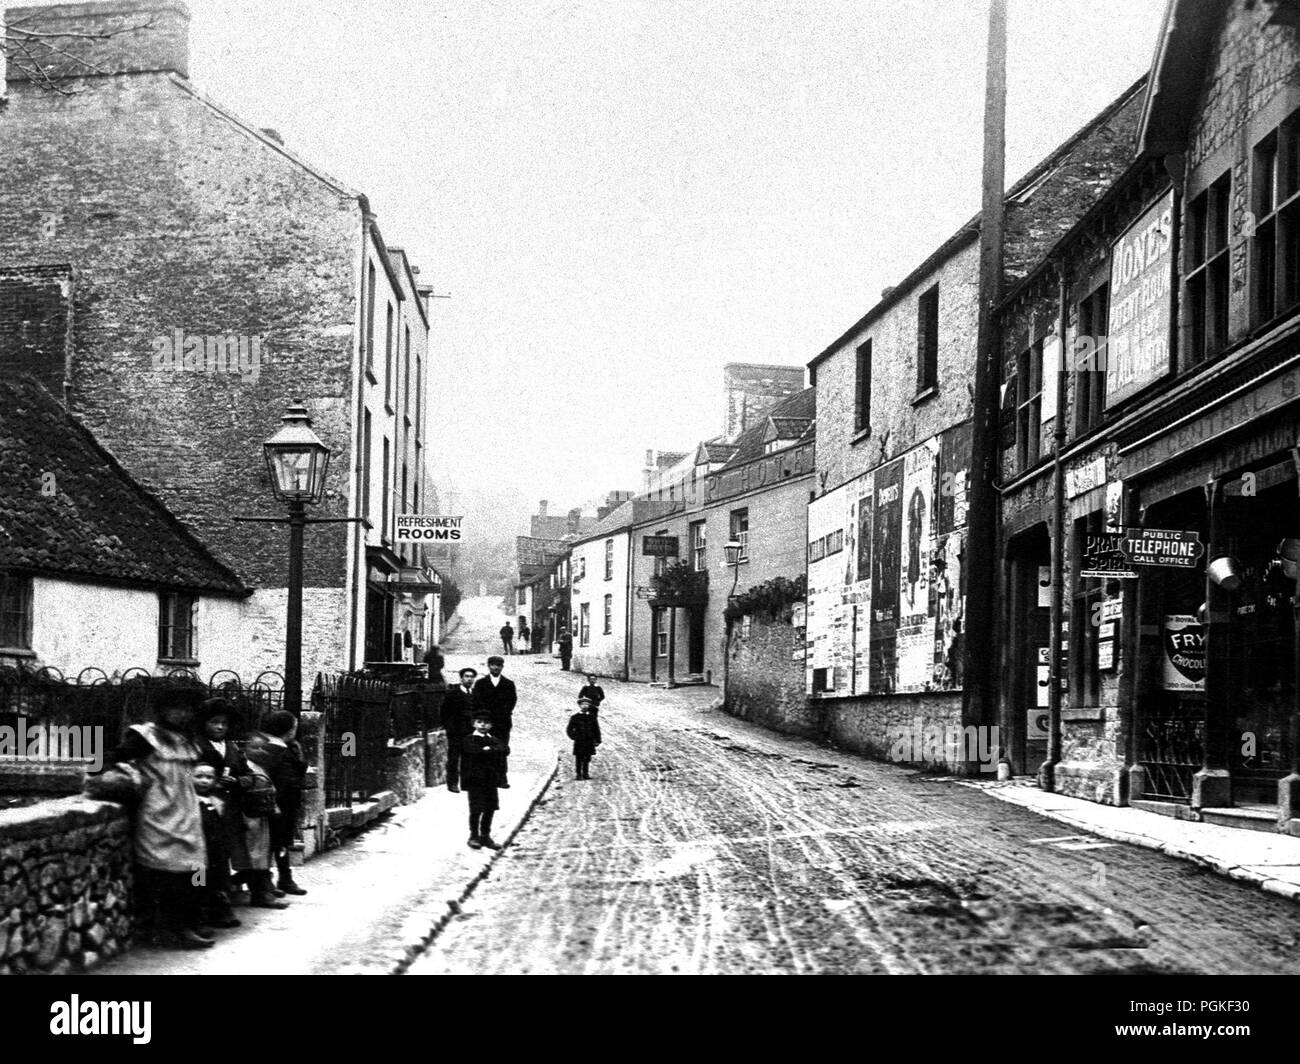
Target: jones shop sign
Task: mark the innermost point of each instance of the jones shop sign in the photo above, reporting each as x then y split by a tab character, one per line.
1175	548
1141	303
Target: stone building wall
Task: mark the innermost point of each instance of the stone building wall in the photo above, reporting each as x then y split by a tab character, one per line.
766	678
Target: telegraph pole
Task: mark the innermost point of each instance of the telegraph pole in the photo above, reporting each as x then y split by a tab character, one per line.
979	695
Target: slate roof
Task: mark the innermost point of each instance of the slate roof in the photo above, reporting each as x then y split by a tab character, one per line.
799	410
98	523
714	451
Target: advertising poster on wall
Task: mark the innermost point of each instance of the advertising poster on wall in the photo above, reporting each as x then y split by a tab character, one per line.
915	646
1141	303
1183	642
887	523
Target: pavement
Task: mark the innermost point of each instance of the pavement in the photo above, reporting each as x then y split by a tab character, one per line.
1269	861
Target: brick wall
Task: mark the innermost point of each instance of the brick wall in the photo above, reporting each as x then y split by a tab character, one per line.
111	38
766	678
65	882
174	218
36	323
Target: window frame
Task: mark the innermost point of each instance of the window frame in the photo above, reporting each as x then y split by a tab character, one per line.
609	559
18	589
927	341
862	389
1206	258
1085	680
1029	406
736	518
698	539
609	615
1090	383
1275	207
584	624
171	605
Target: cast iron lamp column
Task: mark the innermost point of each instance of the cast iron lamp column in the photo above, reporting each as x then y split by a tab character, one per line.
297	462
733	550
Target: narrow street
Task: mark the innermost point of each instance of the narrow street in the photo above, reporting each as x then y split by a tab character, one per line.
704	845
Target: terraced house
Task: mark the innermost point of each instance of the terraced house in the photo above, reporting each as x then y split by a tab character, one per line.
205	275
1152	511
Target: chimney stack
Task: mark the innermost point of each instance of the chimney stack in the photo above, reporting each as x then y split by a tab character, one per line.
89	40
541	508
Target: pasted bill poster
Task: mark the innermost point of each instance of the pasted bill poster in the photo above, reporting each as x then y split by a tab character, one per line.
915	638
886	569
825	583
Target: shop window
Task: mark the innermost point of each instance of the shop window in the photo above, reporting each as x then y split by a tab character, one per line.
1029	403
1206	282
1275	277
15	611
1085	618
1090	361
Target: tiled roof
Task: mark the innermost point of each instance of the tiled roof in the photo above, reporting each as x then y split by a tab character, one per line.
714	451
67	508
801	407
788	428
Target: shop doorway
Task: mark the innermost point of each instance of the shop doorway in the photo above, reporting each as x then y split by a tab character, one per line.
1029	581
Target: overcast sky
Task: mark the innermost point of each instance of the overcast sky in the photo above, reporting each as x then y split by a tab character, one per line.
621	197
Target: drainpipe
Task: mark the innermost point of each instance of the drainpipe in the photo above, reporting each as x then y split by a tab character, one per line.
627	613
358	530
1047	771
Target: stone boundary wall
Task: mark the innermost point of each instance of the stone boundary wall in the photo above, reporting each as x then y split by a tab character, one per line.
65	885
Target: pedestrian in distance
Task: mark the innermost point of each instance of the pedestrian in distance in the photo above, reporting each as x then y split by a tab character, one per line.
507	639
565	642
591	689
457	722
525	638
167	833
434	660
482	755
495	695
584	730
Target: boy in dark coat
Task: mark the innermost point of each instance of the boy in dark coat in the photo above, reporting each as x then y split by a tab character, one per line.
287	767
497	695
591	689
585	732
482	755
215	910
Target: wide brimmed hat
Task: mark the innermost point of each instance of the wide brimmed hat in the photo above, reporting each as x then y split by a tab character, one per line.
219	707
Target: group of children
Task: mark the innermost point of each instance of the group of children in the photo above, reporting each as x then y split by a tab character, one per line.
211	819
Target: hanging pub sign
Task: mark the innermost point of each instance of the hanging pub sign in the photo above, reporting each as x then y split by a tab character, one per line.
1141	304
1103	557
1183	643
1171	547
659	546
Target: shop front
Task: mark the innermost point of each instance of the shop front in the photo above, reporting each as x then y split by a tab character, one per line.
1212	509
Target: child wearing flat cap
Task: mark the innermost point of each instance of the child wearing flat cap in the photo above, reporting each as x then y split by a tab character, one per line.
584	730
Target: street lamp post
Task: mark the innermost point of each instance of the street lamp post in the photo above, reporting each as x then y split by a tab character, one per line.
297	462
733	549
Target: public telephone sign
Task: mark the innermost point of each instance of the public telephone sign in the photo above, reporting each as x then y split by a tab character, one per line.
1173	547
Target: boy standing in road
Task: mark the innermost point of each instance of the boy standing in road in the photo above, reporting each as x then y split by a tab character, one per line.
585	733
496	695
480	771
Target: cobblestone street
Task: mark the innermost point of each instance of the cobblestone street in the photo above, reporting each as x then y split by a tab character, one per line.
703	845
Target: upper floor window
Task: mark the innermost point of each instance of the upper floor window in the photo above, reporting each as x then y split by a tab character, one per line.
927	341
1275	278
1090	360
388	360
419	393
1029	403
739	529
369	339
406	375
661	562
1206	282
699	540
862	390
609	559
15	611
366	445
176	626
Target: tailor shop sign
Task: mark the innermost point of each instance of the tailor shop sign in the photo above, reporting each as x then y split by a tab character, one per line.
1141	303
